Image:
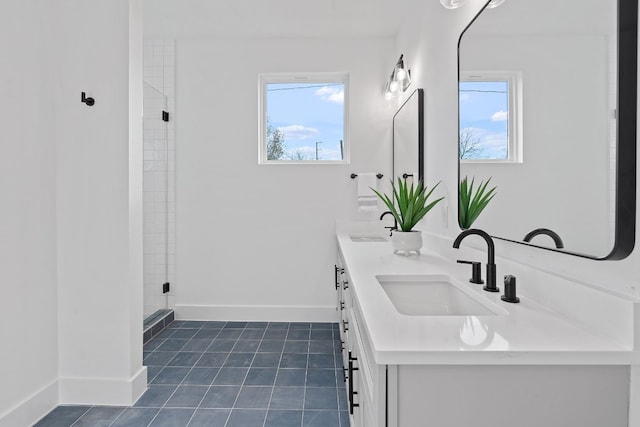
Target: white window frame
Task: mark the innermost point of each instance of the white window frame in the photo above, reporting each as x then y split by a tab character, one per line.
515	110
265	79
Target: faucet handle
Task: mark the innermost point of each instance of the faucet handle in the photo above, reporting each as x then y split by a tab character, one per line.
510	289
476	271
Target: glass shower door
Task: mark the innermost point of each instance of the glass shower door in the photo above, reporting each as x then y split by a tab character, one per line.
156	201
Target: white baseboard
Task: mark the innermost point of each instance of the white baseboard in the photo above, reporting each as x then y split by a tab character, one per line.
139	384
256	313
103	391
31	409
634	396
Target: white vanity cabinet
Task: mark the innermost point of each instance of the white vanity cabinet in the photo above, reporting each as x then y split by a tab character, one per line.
530	369
365	381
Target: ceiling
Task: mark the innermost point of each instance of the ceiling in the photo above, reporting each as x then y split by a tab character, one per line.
275	18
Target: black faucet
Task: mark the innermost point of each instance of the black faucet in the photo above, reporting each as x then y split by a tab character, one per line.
556	239
491	258
395	221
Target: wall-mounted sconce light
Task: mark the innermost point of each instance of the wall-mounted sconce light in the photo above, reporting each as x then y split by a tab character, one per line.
400	79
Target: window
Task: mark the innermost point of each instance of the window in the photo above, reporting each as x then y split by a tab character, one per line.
490	117
303	118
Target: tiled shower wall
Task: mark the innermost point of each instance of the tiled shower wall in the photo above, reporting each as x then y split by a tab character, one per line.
159	174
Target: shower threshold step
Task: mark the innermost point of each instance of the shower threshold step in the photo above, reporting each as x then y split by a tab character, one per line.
155	323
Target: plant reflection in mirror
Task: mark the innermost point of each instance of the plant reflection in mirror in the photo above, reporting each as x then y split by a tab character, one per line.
471	204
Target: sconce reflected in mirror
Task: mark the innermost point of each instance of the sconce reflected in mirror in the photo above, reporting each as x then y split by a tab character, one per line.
400	79
454	4
495	3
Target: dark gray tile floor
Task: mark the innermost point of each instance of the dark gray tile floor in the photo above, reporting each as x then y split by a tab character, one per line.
231	374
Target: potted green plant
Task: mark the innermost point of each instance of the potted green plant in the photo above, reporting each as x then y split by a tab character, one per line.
472	203
411	205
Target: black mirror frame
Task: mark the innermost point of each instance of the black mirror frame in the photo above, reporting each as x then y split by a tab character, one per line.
625	203
420	93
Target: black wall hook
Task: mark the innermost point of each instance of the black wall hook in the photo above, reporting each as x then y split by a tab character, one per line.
87	100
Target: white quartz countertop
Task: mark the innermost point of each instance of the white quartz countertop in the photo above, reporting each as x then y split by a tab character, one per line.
523	333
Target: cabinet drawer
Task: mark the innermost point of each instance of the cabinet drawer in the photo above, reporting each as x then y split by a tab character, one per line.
370	377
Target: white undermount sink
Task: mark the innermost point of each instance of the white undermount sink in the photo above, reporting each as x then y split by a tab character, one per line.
430	295
366	238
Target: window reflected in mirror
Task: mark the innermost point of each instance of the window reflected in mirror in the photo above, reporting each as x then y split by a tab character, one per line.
489	117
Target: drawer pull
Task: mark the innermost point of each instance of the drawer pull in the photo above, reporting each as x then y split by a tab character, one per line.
345	326
352	393
337	270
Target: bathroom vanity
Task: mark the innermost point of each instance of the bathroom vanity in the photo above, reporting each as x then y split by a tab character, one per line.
424	347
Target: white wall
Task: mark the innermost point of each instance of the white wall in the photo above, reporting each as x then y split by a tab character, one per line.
27	218
71	228
257	242
99	202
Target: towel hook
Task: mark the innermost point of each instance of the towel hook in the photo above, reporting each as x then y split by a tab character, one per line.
87	100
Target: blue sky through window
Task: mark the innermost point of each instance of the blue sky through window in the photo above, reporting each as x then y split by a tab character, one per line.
484	119
307	113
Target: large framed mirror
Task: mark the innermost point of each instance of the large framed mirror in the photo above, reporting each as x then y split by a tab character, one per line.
547	112
408	138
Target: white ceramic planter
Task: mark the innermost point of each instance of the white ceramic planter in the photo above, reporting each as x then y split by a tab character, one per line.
405	242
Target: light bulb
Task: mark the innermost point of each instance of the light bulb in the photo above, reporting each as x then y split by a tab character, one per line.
388	95
495	3
401	74
394	86
452	4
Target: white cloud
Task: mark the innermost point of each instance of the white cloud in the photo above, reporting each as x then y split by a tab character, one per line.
495	142
297	132
499	116
465	97
494	146
331	94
